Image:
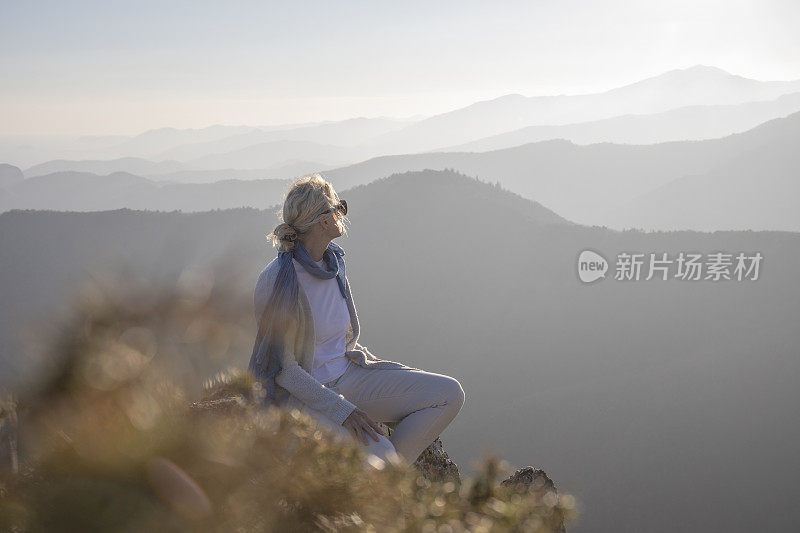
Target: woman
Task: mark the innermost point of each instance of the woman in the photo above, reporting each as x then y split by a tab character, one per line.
306	353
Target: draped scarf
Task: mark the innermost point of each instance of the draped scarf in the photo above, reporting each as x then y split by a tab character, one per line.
281	309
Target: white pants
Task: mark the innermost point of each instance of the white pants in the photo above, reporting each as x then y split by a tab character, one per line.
421	403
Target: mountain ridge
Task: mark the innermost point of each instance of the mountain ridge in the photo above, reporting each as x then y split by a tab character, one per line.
702	122
675	88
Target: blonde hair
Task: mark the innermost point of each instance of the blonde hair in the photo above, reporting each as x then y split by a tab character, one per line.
306	199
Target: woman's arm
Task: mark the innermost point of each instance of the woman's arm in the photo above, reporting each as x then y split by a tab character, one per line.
311	392
307	388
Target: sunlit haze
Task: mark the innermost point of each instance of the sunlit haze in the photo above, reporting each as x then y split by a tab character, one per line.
122	68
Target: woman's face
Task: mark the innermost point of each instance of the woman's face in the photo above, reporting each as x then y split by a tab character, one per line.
337	228
331	222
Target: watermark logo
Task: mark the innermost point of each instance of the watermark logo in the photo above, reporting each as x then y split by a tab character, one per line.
591	266
684	266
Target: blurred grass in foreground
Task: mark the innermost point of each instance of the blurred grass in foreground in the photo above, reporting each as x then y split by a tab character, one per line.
113	438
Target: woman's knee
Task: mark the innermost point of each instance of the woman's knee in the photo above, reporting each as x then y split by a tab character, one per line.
383	448
454	392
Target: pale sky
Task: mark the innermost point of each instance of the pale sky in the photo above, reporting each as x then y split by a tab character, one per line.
122	67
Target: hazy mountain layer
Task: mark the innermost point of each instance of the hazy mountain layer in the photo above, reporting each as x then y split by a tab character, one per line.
685	123
82	191
757	188
153	142
593	184
742	181
361	138
345	132
287	170
131	165
698	85
269	154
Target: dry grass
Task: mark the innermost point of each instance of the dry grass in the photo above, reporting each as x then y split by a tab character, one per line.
110	442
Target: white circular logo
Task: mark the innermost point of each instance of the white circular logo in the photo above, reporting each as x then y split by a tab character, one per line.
591	266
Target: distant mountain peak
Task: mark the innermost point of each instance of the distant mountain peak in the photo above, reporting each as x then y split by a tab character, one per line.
429	186
505	99
696	72
705	69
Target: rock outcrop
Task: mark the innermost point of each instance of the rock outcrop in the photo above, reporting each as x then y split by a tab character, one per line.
533	480
435	464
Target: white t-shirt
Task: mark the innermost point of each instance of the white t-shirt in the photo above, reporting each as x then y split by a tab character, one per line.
331	323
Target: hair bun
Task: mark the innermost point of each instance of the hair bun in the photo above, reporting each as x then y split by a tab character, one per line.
286	232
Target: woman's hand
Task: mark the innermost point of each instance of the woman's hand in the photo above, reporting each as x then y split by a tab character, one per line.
361	425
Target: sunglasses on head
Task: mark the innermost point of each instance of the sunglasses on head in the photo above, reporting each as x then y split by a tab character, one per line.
342	206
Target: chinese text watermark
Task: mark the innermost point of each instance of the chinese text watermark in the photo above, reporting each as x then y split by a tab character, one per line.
684	266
